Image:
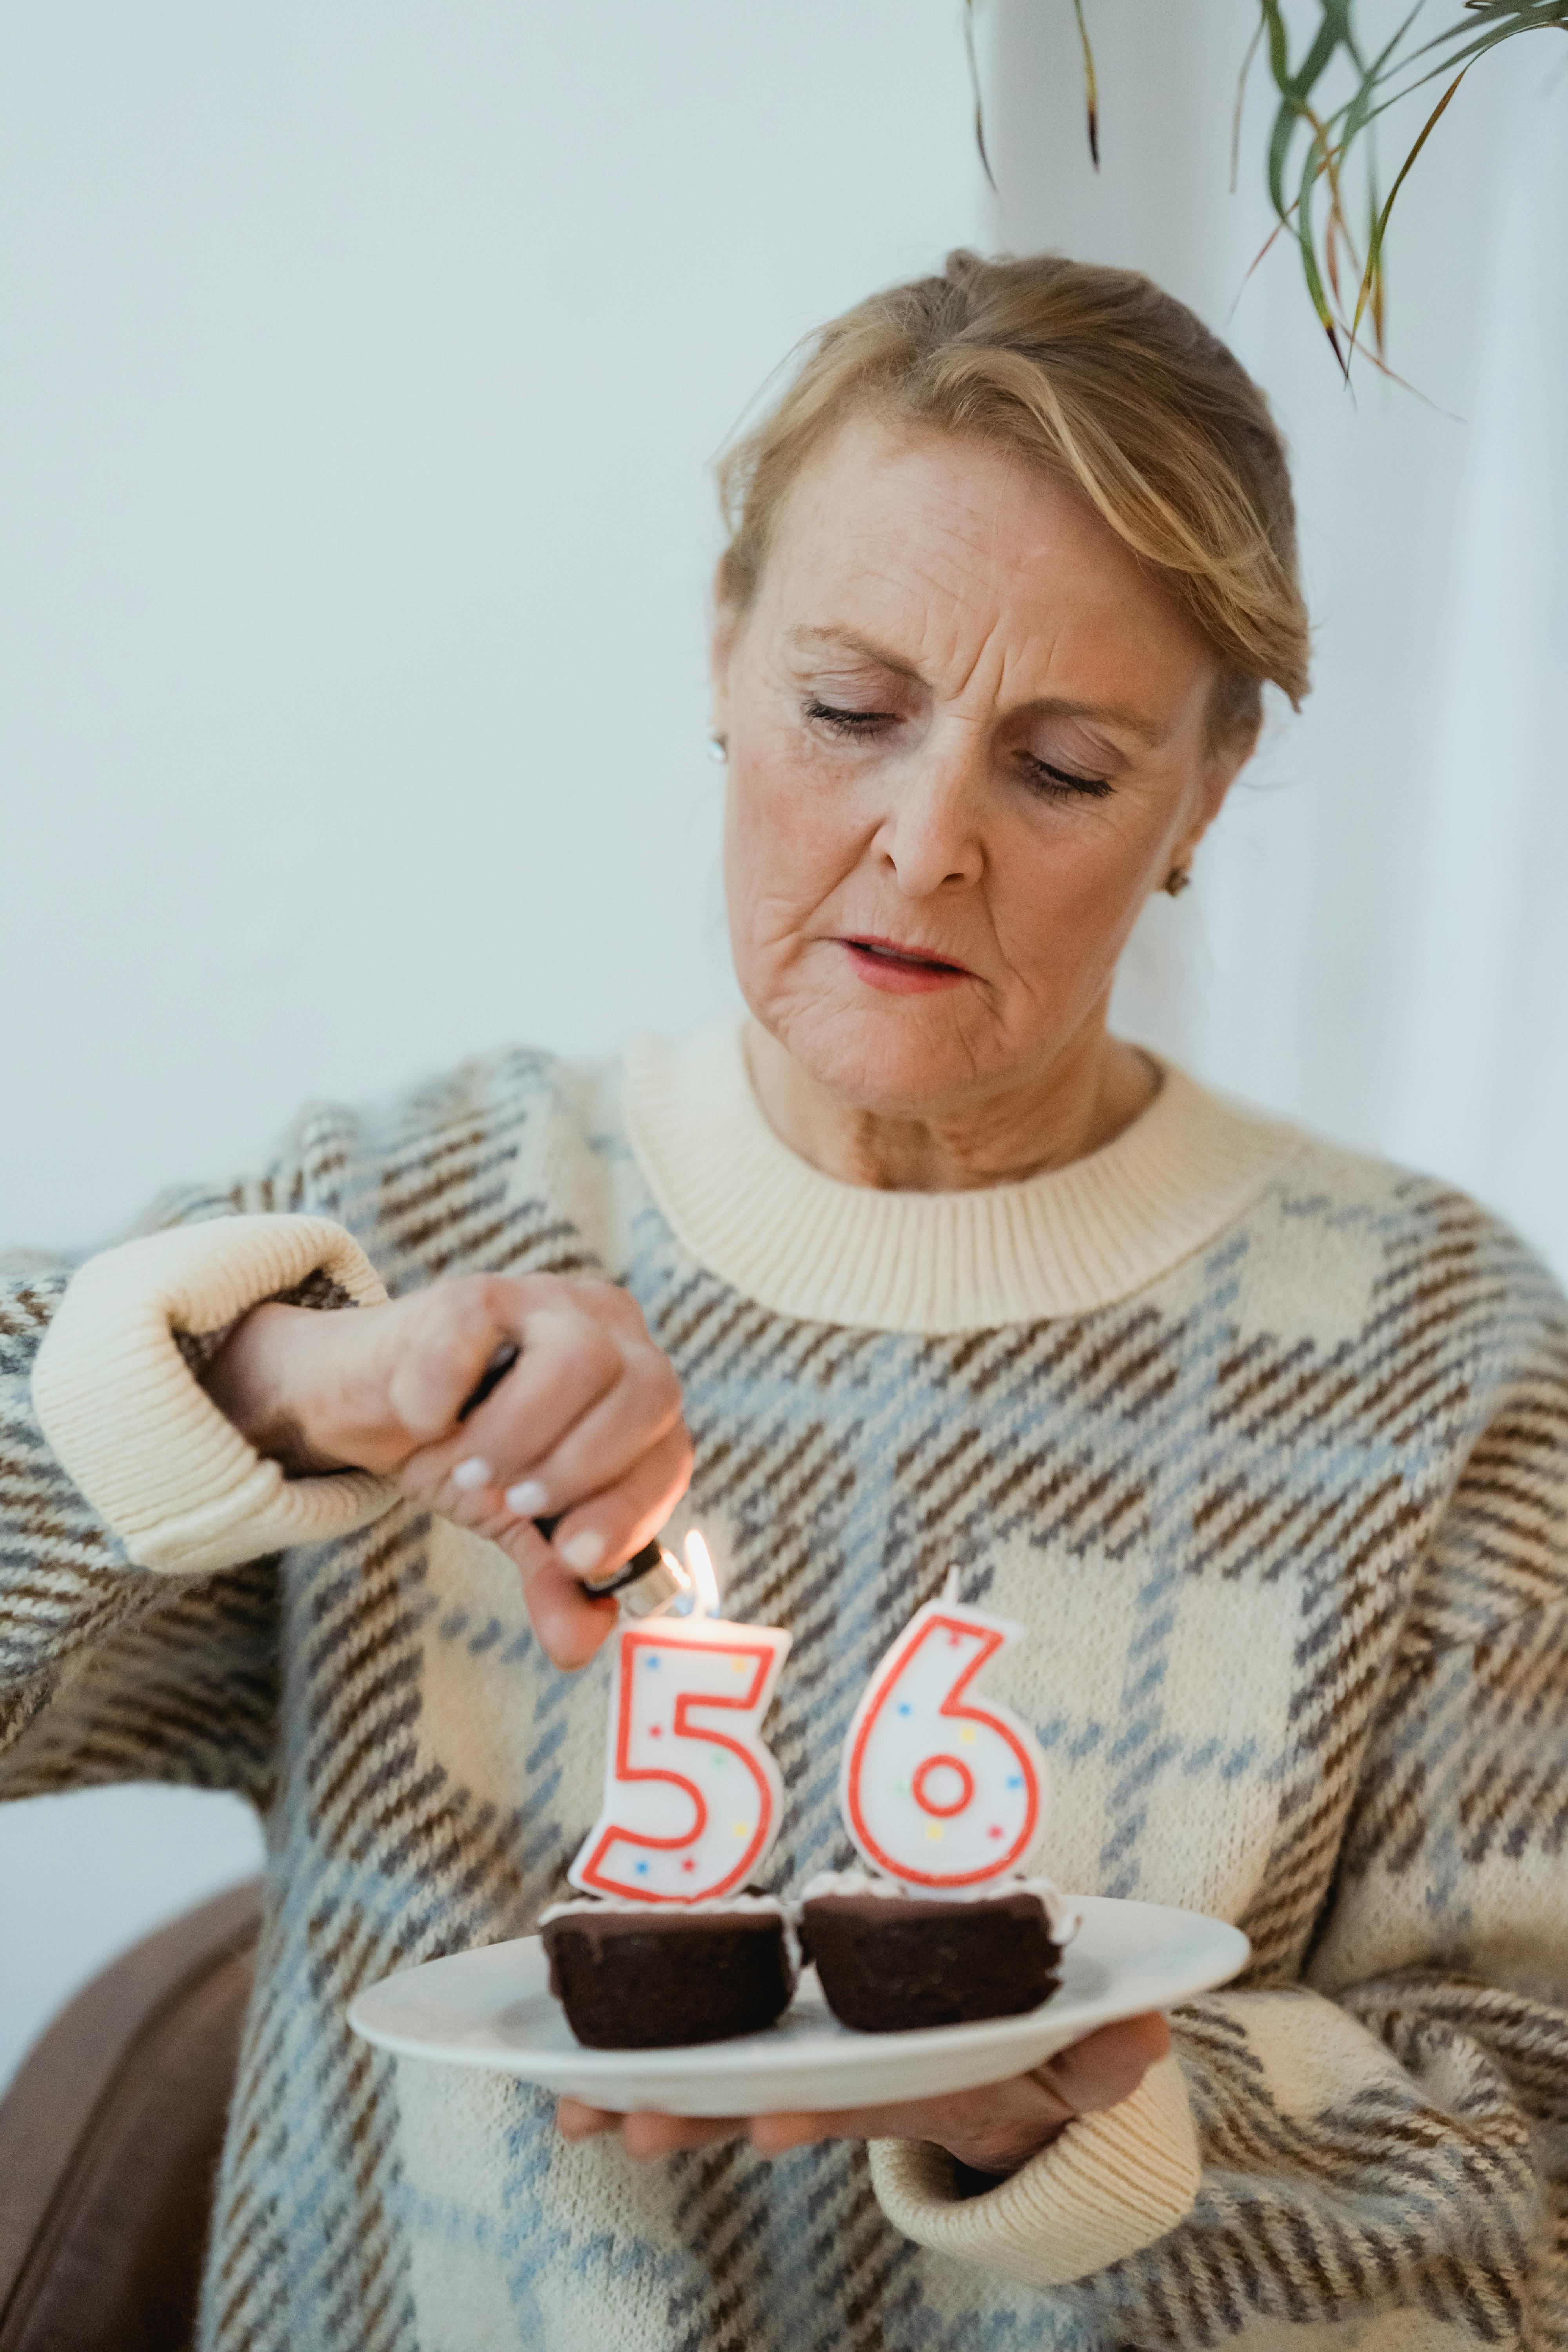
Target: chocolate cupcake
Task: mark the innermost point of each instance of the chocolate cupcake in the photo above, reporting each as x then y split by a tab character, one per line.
888	1962
651	1976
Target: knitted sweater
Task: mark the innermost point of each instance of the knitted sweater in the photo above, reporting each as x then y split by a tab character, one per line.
1265	1444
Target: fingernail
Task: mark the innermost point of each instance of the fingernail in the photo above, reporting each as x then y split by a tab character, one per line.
527	1498
585	1551
475	1472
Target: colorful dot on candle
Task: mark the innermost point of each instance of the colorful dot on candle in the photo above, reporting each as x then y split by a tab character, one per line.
651	1661
1015	1780
656	1731
738	1665
742	1829
966	1733
992	1832
904	1707
642	1870
933	1832
689	1865
955	1641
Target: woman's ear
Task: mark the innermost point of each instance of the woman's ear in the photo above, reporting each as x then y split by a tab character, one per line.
1220	771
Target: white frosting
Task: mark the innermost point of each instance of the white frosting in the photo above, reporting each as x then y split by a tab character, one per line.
1062	1917
668	1905
710	1904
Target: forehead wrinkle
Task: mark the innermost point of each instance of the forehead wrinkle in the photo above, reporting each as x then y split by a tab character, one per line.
936	628
935	567
809	638
943	565
977	535
1039	654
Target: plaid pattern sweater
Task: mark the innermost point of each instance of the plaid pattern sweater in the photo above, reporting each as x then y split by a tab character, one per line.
1265	1444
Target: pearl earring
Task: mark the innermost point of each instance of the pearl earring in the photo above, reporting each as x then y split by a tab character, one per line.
718	749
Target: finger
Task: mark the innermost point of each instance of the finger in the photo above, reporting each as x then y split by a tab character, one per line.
996	2128
512	1296
646	2135
570	1624
935	2119
595	1537
568	1363
773	2135
607	1303
440	1352
443	1338
1106	2067
574	2119
595	1453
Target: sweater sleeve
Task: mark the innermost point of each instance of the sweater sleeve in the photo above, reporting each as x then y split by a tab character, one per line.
138	1530
1376	2153
119	1406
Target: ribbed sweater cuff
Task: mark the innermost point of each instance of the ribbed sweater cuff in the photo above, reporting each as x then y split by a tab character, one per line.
1112	2183
178	1483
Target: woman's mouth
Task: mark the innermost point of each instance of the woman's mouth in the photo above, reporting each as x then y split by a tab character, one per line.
901	970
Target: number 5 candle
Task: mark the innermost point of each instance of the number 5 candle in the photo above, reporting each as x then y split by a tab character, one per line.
939	1790
693	1798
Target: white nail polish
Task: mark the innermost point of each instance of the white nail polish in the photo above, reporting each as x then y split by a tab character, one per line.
585	1551
472	1473
527	1498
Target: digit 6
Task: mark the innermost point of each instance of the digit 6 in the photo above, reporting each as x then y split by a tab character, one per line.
938	1792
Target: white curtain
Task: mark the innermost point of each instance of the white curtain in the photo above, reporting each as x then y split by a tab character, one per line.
1376	943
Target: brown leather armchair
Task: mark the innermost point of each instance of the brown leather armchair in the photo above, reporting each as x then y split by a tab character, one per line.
110	2138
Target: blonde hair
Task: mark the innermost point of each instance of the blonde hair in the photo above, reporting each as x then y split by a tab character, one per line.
1098	376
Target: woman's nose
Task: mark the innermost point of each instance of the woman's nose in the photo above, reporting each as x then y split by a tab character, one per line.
931	834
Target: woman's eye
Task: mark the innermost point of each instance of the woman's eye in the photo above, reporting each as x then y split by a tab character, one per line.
1061	783
846	723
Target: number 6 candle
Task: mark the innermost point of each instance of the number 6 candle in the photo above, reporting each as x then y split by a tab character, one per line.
693	1798
940	1791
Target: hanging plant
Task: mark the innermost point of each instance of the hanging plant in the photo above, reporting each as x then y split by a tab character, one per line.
1314	140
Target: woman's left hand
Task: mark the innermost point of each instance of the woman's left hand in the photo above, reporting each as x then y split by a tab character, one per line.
994	2129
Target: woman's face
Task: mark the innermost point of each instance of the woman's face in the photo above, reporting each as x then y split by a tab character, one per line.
966	739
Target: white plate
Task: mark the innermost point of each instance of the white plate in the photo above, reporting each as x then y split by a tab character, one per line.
493	2008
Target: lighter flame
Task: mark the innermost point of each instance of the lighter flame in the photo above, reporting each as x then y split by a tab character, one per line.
704	1583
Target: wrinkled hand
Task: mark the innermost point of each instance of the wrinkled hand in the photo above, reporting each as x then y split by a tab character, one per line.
586	1424
995	2129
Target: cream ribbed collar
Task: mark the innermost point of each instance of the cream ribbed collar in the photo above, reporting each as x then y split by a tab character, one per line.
803	1244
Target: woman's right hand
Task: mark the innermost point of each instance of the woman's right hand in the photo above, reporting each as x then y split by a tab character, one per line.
586	1426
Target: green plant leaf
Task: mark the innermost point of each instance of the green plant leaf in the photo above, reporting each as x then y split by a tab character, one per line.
1311	141
1090	90
969	6
1329	102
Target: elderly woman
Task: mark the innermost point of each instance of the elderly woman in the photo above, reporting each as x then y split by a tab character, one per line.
1263	1441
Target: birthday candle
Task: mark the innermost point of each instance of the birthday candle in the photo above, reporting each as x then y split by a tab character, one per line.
692	1797
940	1790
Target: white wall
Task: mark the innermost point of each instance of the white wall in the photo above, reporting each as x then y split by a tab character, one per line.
364	364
